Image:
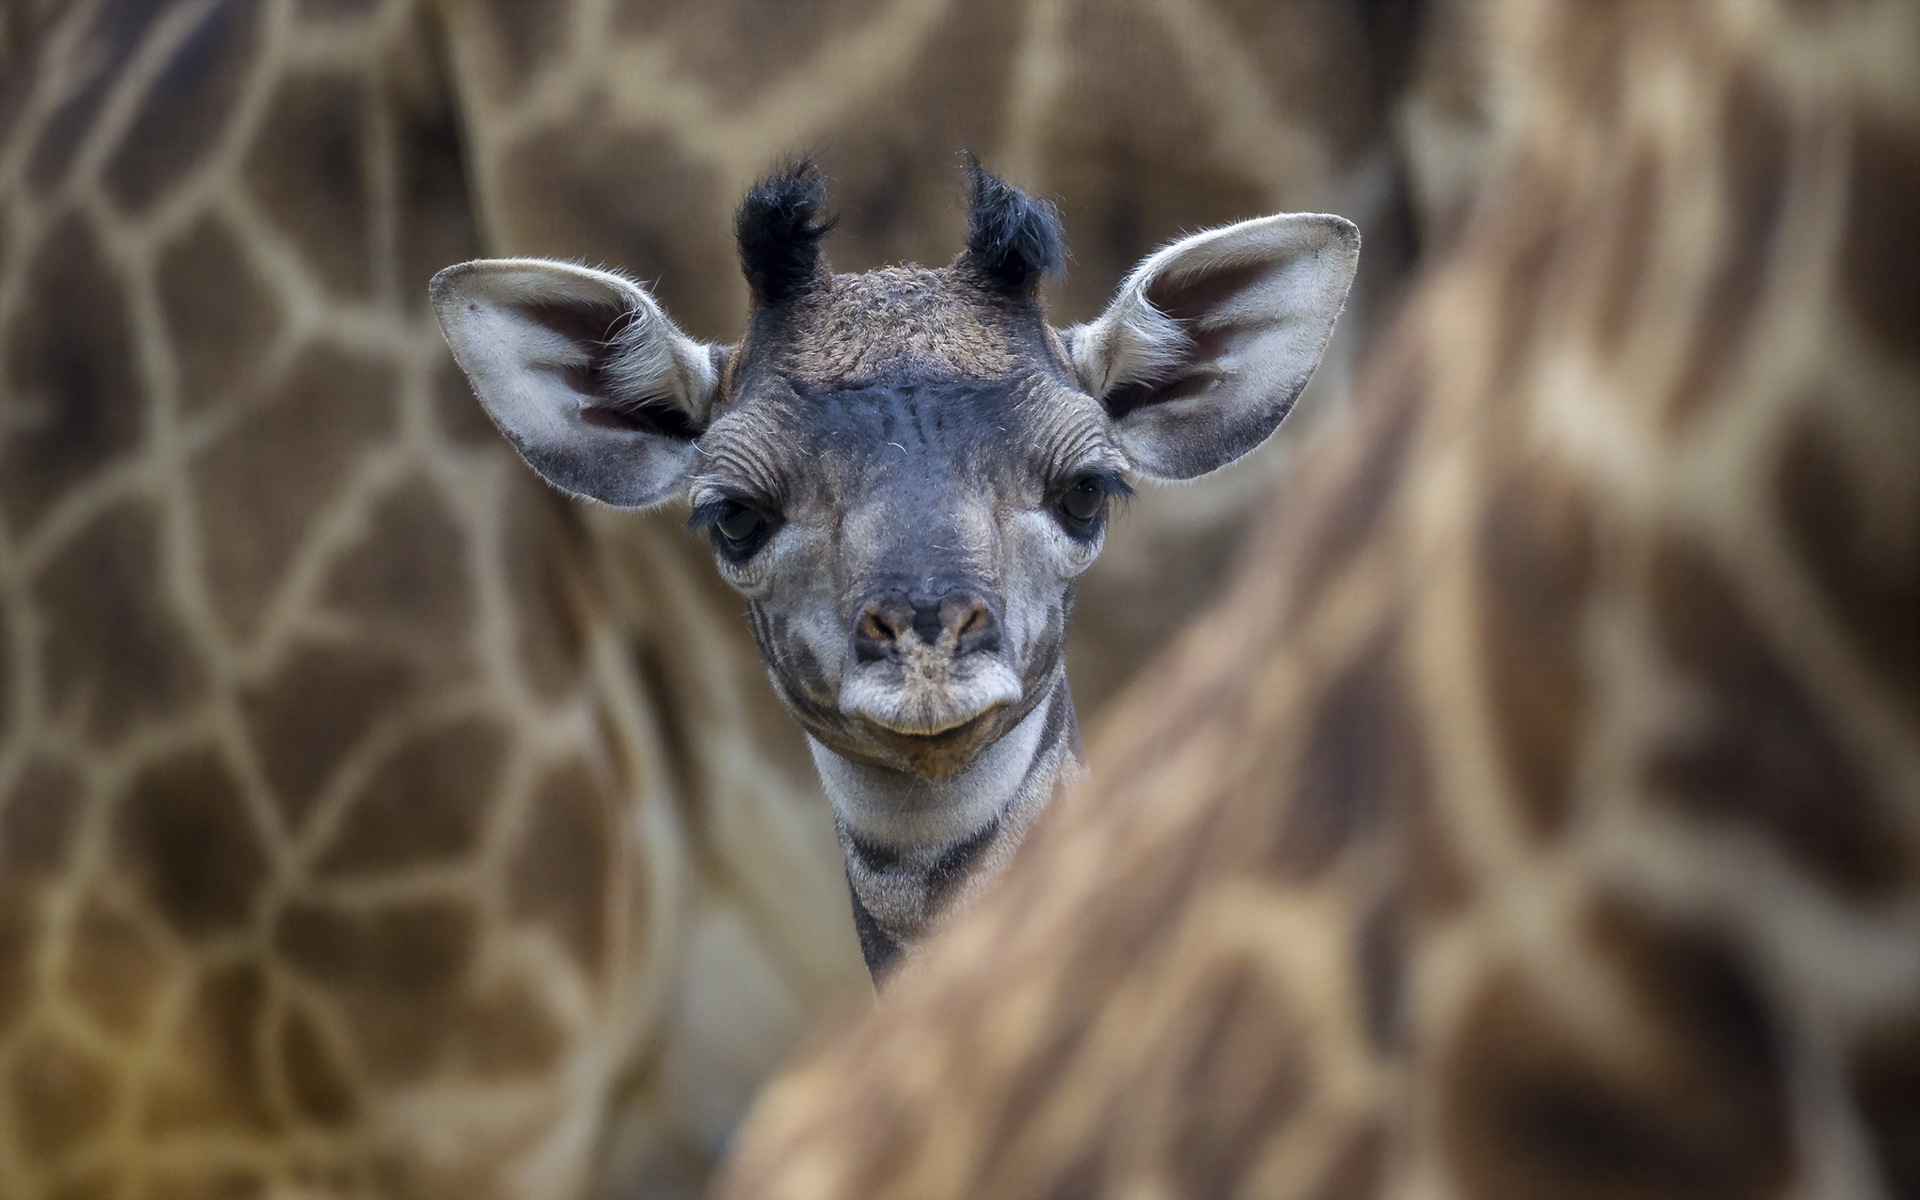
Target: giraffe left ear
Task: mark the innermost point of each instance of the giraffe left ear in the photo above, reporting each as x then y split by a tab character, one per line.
1209	342
597	389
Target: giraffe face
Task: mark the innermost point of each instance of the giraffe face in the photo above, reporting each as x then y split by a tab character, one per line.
904	471
907	528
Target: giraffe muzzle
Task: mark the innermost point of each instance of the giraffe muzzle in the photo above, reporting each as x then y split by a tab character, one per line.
924	664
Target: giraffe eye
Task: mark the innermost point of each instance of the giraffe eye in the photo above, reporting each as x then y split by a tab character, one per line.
1081	503
1081	507
740	524
739	529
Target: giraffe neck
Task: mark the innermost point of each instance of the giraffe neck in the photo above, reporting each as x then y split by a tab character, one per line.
916	847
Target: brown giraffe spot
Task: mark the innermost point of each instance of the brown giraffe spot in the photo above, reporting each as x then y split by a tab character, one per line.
563	865
114	652
1880	258
1329	66
186	109
397	976
1531	1109
337	8
1134	166
1872	584
1347	519
262	484
524	36
1756	145
37	816
96	1183
461	418
119	26
185	838
1636	213
542	545
425	805
607	194
434	213
409	576
60	1096
115	968
407	949
507	1032
74	398
17	87
1534	551
1379	942
7	677
893	160
313	711
737	48
1885	1071
216	1078
1356	1171
19	927
220	318
317	1082
1763	755
202	1182
1364	759
309	168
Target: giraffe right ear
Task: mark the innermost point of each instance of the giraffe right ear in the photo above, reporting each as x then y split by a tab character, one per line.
597	389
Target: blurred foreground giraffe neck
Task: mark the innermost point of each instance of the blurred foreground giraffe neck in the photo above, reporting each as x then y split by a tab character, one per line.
904	472
1538	813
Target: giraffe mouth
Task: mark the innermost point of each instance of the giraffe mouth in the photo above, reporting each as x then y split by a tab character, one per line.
909	703
941	754
951	731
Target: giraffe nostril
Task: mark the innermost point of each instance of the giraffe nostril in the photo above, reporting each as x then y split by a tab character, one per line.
880	627
888	624
975	628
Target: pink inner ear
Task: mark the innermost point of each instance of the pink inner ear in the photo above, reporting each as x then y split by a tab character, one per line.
1192	295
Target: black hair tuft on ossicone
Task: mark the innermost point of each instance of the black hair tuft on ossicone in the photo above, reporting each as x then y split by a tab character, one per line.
779	226
1012	239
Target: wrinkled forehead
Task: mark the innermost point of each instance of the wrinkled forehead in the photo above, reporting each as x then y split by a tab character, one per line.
874	435
899	322
922	425
896	376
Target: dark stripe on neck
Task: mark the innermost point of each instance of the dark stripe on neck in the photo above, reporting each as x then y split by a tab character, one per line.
872	855
951	868
879	949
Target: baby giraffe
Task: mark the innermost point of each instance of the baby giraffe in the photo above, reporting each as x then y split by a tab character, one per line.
904	472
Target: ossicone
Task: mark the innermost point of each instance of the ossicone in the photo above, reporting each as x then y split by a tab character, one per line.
1013	240
779	226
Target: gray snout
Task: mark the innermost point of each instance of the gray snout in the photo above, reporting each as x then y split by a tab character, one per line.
898	622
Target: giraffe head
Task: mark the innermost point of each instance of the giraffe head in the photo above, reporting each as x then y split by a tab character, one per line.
904	471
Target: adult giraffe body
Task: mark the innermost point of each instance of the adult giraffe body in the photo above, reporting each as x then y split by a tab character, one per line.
370	823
